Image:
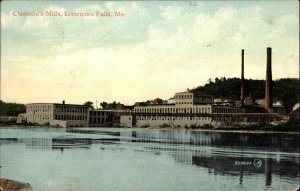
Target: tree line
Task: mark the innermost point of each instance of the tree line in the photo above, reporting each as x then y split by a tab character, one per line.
11	109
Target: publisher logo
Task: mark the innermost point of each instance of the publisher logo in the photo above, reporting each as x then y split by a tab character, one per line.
257	163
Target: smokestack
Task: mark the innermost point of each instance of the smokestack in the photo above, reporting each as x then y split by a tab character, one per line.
242	80
268	90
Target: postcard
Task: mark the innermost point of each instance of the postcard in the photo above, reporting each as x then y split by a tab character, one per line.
149	95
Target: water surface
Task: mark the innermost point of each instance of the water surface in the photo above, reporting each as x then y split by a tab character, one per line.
147	160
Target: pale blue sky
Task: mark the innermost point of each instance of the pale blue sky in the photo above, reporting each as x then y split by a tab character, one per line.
155	50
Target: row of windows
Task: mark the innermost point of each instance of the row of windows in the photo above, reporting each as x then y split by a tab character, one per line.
70	117
99	120
172	118
110	116
172	110
186	96
39	108
73	109
183	102
95	113
226	110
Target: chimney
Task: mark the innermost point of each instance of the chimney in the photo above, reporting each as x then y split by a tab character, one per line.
242	80
268	88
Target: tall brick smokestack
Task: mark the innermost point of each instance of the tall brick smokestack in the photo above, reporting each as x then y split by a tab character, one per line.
242	80
268	88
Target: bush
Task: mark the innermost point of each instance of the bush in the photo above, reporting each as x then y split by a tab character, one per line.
292	125
145	126
207	126
165	125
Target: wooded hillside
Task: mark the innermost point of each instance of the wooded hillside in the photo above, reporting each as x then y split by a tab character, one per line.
11	109
285	90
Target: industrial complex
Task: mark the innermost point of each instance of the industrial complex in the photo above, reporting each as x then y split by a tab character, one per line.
188	109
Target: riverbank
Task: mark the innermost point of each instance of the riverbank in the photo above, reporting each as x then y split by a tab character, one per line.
292	126
221	130
12	185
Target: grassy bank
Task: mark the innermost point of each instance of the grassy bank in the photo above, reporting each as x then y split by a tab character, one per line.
291	125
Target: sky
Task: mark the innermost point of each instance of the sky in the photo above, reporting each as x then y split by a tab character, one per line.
156	49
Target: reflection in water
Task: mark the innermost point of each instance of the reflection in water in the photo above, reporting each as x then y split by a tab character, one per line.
58	143
40	143
8	141
268	171
235	166
220	154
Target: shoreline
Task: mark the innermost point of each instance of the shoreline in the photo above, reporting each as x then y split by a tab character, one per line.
162	129
221	130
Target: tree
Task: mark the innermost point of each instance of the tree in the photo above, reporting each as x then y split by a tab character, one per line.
209	81
148	102
114	104
89	104
104	105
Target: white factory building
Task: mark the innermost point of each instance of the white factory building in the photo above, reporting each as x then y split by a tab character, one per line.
189	109
56	114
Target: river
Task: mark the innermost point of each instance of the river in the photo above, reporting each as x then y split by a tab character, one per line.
93	159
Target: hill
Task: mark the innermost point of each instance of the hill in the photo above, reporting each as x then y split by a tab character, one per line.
285	89
11	109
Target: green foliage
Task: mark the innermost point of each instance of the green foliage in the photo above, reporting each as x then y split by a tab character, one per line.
147	103
165	125
11	109
89	104
103	105
285	89
291	125
205	126
106	105
145	126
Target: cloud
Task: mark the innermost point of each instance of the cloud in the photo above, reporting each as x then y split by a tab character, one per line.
171	12
225	13
142	56
5	20
36	22
10	21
